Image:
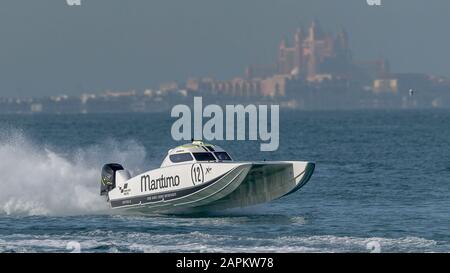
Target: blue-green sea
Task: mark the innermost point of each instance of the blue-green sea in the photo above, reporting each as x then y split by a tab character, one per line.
382	183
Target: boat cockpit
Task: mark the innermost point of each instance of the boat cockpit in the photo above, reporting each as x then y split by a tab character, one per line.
197	151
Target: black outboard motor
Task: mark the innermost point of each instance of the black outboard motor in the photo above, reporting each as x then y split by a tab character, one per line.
108	181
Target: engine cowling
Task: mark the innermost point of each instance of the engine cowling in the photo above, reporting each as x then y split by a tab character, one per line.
108	180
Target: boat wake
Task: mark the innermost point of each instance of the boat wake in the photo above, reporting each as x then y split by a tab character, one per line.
108	241
36	180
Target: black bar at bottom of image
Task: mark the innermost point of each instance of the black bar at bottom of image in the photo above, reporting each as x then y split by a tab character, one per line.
221	262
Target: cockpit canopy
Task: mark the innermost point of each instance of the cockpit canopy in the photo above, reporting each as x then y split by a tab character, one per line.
197	151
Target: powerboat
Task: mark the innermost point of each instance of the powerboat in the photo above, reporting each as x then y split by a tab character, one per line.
202	177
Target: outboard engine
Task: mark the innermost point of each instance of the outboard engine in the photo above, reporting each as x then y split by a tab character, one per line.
108	181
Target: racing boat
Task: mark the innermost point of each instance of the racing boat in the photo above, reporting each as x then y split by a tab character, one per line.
202	177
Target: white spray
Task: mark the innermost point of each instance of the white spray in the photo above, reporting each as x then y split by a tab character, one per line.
37	181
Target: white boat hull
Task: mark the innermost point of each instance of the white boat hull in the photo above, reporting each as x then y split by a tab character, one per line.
209	186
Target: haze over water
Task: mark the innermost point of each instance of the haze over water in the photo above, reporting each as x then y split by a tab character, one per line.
50	48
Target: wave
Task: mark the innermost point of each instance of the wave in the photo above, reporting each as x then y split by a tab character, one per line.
36	180
110	241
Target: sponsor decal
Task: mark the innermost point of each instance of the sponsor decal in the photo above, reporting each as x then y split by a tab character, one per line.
124	190
155	197
106	181
163	182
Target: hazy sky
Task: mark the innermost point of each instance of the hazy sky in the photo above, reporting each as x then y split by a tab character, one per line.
48	47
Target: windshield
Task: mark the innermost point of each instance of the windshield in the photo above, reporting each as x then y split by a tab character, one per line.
176	158
204	156
222	156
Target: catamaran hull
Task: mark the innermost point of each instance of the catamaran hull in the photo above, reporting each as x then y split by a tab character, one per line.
210	186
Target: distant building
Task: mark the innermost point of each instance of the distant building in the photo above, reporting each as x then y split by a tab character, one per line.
36	107
366	71
260	71
149	93
415	81
312	63
317	52
193	84
402	82
274	86
385	86
86	97
314	56
116	94
169	86
234	87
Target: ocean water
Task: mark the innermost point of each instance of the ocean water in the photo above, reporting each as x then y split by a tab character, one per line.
382	183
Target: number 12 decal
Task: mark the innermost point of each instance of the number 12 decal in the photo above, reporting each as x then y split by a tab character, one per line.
197	174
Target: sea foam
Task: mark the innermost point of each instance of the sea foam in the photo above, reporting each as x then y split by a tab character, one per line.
36	180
